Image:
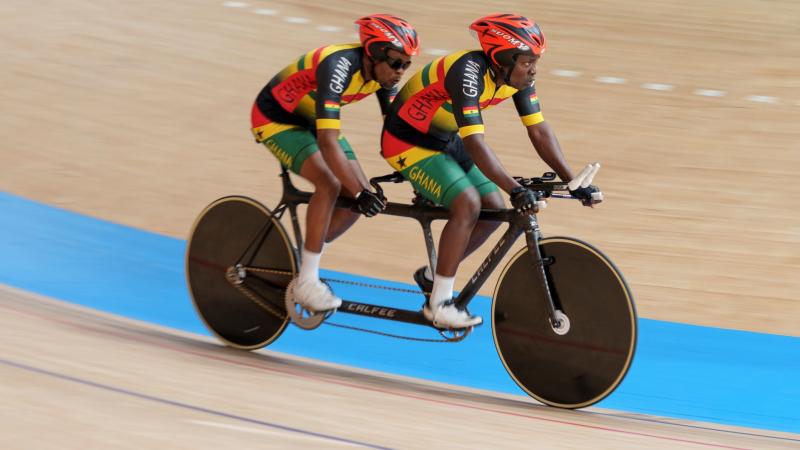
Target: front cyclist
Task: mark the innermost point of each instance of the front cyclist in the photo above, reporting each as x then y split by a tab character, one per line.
296	116
434	136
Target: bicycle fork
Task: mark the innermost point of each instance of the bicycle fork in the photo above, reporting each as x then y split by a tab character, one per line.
558	320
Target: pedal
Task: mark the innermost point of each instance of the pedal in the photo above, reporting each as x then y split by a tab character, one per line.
302	317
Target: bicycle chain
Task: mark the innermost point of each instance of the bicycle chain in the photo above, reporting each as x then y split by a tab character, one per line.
407	338
334	280
236	282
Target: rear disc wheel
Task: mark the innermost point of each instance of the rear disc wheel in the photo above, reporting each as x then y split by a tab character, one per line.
239	261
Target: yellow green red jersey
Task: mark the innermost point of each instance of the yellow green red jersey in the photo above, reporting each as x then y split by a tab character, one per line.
310	91
447	96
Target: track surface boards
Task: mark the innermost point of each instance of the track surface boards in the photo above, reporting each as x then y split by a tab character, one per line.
98	381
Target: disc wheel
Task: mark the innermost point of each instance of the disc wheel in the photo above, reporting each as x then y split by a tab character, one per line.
239	261
581	364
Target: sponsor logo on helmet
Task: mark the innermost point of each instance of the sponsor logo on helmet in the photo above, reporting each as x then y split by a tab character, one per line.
511	39
396	42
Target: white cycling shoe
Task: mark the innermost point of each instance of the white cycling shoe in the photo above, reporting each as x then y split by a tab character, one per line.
315	295
447	316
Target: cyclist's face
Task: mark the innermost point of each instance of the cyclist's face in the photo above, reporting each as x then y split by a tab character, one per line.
390	70
524	72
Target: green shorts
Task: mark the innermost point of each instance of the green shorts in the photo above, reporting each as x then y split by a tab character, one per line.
440	179
293	145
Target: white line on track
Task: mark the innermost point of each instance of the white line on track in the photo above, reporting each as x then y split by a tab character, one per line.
298	20
266	12
235	4
761	99
565	73
436	51
658	86
709	93
283	434
610	80
329	28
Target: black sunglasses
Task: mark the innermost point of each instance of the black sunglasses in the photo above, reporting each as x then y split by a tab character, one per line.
396	63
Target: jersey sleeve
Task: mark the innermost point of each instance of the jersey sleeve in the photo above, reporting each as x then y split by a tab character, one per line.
385	98
464	83
528	108
333	76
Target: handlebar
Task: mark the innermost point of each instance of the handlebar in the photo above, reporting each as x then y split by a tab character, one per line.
394	177
542	184
543	187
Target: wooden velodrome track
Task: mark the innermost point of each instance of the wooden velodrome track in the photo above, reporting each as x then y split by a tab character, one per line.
94	381
138	113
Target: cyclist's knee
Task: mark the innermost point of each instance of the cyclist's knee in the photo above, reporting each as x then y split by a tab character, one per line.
492	201
317	172
467	206
328	185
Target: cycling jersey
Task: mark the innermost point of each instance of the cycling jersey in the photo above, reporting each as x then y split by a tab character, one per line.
447	97
306	96
310	91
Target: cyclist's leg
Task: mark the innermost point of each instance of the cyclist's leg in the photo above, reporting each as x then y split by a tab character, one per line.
458	232
343	218
490	197
296	148
439	178
321	205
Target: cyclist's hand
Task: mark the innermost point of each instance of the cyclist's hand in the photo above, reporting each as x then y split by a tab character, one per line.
589	195
523	200
369	203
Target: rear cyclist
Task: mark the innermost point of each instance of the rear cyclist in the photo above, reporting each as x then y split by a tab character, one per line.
434	132
296	116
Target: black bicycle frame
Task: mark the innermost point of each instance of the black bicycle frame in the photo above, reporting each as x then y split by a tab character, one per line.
425	214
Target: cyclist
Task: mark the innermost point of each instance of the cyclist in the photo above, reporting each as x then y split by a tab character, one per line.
296	116
433	135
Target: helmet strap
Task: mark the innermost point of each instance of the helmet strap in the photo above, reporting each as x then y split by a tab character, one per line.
372	73
509	69
498	71
371	64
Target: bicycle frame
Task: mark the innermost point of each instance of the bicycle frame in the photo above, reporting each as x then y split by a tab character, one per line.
425	215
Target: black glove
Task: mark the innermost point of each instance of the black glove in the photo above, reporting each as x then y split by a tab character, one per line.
369	203
523	200
589	195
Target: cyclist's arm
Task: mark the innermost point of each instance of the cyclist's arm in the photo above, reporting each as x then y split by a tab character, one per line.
540	133
486	160
328	142
464	84
544	141
330	85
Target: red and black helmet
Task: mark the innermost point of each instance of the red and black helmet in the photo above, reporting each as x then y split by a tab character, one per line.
504	36
381	31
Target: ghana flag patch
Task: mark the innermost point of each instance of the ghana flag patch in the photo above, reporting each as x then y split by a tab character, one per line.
469	111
